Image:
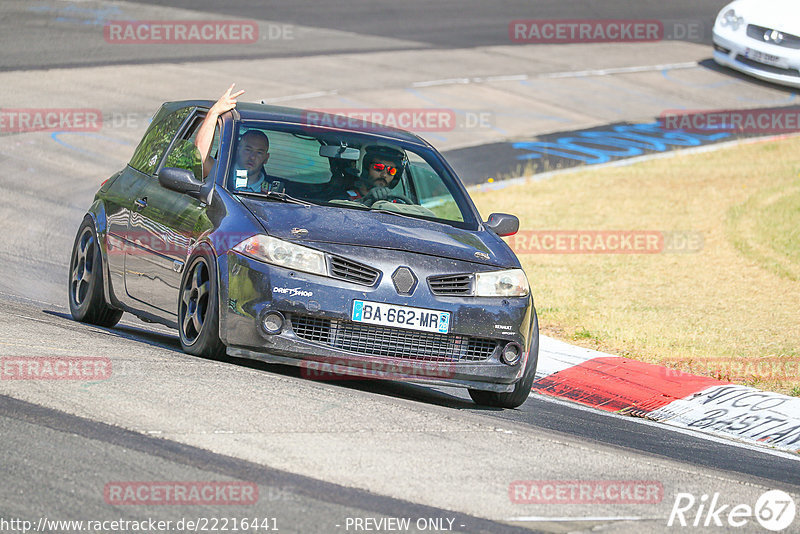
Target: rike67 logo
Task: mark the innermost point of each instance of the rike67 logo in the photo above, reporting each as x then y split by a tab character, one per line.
774	510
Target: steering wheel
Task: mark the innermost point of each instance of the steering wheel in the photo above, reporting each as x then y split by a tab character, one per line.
384	194
402	198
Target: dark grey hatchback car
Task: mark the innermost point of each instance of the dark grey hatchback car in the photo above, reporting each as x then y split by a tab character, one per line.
309	268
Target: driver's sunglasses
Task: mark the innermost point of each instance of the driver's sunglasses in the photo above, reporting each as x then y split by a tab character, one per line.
391	171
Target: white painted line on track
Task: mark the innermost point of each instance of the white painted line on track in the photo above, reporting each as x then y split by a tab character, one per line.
20	297
666	426
32	318
301	96
446	81
542	519
619	70
510	78
557	75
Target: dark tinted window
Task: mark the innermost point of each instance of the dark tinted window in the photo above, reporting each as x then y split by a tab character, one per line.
156	140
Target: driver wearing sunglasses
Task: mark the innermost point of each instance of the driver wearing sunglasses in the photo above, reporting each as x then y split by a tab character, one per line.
381	170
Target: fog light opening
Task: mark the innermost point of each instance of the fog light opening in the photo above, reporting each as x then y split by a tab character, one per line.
272	323
511	354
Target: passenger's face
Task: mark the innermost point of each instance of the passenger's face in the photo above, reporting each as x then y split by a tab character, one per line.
381	178
252	154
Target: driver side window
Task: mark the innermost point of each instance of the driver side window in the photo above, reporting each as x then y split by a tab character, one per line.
431	190
151	149
184	153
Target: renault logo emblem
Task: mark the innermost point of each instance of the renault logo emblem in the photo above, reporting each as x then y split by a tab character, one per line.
404	281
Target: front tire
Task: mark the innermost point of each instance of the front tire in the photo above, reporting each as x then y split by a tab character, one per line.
86	301
198	307
522	389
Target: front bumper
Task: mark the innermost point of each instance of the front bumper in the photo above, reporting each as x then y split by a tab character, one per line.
730	49
318	335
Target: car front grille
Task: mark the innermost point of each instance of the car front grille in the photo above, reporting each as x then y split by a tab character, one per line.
353	271
392	342
451	285
758	32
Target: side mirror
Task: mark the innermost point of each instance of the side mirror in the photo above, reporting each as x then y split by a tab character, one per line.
184	155
502	224
180	180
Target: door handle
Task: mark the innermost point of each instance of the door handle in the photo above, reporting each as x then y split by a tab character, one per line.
140	203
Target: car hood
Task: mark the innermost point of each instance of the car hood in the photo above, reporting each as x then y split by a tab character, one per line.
782	15
321	224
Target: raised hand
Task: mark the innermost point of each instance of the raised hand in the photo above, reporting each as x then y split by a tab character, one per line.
205	134
226	102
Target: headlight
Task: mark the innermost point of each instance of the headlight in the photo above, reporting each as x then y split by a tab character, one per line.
510	283
729	18
283	254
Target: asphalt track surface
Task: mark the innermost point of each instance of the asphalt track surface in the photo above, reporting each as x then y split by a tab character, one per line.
319	452
54	34
284	500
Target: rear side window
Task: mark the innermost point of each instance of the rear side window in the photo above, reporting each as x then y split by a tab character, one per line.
156	140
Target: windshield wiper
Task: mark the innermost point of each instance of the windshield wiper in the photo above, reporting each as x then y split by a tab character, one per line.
399	214
275	195
364	207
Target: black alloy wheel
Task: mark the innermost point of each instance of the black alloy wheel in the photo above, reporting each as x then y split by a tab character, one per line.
198	314
86	301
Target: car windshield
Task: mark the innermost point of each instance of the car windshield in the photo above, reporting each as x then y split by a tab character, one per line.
345	170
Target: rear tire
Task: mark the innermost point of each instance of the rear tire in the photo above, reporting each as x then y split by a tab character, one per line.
87	303
198	307
522	389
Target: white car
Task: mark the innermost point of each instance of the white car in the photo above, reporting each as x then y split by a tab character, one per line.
760	38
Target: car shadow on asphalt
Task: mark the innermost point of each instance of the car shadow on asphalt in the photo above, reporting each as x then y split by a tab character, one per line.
388	388
712	65
155	338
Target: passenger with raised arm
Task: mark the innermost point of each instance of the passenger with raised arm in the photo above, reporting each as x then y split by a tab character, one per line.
252	152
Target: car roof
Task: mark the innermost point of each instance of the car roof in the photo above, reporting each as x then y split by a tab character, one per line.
267	112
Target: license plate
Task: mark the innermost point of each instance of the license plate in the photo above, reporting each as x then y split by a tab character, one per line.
401	316
767	59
